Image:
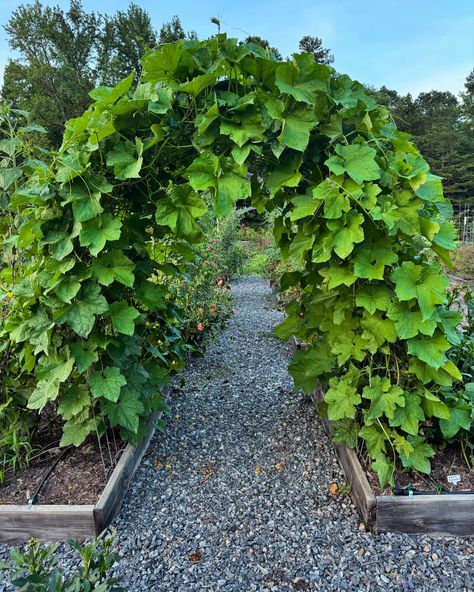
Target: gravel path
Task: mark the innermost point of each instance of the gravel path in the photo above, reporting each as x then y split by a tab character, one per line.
234	495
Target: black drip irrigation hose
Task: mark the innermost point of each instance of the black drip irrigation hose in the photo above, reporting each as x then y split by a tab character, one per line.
410	491
32	500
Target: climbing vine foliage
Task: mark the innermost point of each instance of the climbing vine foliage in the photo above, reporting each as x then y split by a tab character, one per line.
356	204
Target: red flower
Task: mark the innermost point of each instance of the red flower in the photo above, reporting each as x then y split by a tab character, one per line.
200	326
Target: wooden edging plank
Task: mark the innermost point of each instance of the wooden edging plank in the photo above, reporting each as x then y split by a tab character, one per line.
48	523
361	491
113	495
439	515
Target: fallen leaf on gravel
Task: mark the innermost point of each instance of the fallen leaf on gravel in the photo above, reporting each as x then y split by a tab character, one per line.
333	489
300	584
258	470
361	526
280	466
208	472
195	557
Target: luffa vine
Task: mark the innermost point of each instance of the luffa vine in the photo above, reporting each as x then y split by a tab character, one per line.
356	203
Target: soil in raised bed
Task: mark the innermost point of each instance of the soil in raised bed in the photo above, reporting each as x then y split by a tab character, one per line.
448	461
78	478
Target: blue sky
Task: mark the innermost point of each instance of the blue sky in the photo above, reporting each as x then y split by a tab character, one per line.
409	45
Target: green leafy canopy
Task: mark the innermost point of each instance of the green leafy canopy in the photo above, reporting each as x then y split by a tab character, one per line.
102	230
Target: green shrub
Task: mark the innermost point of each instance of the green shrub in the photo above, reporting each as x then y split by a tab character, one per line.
36	570
258	264
464	262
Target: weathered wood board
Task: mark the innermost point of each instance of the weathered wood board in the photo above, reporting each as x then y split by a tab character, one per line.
361	492
438	515
112	497
48	523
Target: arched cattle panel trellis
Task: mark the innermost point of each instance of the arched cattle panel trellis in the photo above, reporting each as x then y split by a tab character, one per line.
356	204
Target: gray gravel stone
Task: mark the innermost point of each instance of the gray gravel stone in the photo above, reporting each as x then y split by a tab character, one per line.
233	497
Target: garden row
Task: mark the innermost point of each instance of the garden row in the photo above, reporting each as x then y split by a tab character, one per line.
107	273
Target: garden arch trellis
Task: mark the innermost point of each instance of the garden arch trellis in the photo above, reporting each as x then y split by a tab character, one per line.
356	204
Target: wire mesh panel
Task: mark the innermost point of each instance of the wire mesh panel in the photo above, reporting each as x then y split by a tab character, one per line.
464	221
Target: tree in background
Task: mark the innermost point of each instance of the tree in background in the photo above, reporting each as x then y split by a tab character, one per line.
263	43
314	45
56	67
173	31
63	54
442	129
468	101
123	39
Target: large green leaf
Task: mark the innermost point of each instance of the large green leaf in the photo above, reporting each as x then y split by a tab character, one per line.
126	411
81	314
419	458
73	401
384	398
408	416
123	317
85	354
374	298
74	433
8	176
114	266
230	188
68	289
151	295
342	398
297	125
431	350
424	282
460	418
370	263
347	232
409	323
106	95
179	211
126	159
357	160
302	80
107	384
434	407
337	276
283	176
374	438
307	365
51	374
202	171
97	232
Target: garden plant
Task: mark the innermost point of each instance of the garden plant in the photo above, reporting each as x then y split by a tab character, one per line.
89	321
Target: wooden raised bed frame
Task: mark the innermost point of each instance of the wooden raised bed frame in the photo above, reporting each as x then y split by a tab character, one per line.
438	515
51	523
